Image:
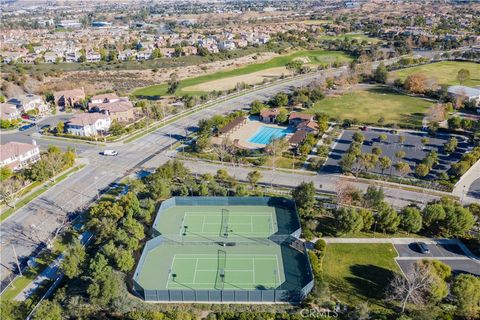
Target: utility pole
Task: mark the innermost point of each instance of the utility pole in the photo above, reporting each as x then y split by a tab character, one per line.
16	259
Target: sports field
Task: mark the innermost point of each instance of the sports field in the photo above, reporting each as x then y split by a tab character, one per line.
369	105
225	249
216	223
314	57
216	271
444	72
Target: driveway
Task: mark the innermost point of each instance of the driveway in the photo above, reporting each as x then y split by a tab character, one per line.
451	254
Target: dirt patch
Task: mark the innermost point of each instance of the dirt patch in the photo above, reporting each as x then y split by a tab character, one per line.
124	81
231	82
302	59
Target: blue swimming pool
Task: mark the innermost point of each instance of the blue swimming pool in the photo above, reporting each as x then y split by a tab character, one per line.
265	134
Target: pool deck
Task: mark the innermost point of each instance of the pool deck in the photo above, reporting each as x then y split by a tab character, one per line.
245	132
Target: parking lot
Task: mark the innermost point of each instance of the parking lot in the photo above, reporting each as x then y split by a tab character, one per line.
413	147
450	254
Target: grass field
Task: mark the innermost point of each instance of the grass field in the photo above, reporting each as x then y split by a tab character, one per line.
369	105
443	72
315	57
357	36
359	272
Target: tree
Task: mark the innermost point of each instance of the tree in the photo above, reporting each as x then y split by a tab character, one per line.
304	196
60	127
173	83
8	191
458	221
466	292
451	145
403	168
295	66
400	154
387	218
377	151
367	218
416	83
432	215
282	116
358	137
380	74
5	173
347	162
256	107
440	273
348	220
72	263
280	99
401	139
385	163
124	260
373	197
410	219
253	177
48	310
463	75
454	123
383	137
276	147
422	170
413	288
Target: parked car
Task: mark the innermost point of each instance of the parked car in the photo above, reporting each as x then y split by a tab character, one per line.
26	127
423	247
364	128
25	116
110	153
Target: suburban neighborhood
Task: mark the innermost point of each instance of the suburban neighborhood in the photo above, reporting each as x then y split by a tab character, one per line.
240	160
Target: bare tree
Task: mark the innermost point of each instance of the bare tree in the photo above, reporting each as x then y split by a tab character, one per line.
224	148
8	191
276	147
413	288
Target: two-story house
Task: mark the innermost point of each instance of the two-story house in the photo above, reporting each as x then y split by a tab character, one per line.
29	102
18	155
9	111
69	98
89	124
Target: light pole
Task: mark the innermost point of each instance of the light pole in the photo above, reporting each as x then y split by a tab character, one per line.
16	259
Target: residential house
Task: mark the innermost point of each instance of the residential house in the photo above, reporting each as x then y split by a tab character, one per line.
466	93
167	52
72	56
269	115
51	57
297	138
226	45
104	98
9	111
11	56
241	43
93	56
18	155
120	109
296	118
189	51
144	55
126	55
30	58
69	98
29	102
308	126
89	124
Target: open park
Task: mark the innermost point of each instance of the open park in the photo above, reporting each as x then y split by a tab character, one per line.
442	73
374	105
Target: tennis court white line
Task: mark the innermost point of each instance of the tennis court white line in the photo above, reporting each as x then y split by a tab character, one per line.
230	256
236	283
253	268
203	223
195	273
278	272
171	270
215	270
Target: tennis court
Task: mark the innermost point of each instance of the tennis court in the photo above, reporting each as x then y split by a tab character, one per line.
189	223
224	271
222	222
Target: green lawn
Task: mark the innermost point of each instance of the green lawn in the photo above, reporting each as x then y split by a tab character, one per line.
359	272
357	36
443	72
317	57
369	105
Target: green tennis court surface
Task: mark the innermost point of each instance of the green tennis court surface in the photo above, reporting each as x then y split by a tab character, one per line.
188	223
224	271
